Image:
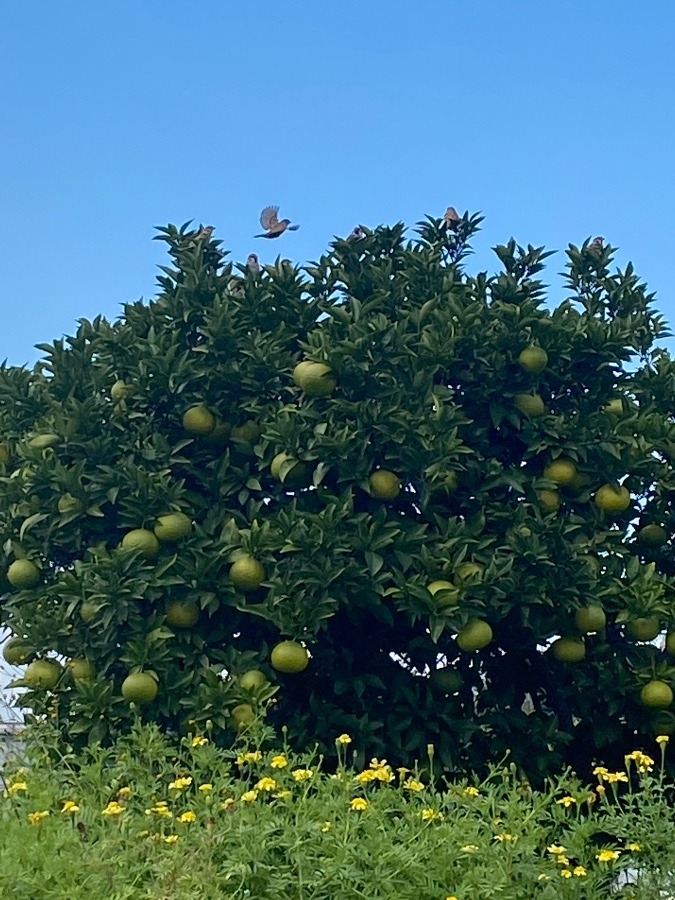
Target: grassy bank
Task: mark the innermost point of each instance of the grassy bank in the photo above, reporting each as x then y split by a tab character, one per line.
145	820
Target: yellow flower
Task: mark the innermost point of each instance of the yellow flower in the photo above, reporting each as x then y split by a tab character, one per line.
112	809
471	791
662	739
250	756
601	789
562	860
556	849
601	772
643	762
413	785
199	741
543	877
591	797
326	826
279	761
16	787
365	776
634	847
180	783
402	772
36	817
266	784
607	855
124	791
187	816
171	838
227	804
302	774
566	873
566	801
376	763
249	796
205	788
343	739
359	804
283	795
613	777
451	897
430	815
468	848
160	809
69	806
505	838
579	872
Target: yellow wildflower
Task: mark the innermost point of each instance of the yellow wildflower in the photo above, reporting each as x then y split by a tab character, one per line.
556	849
579	872
607	855
266	784
566	873
613	777
326	826
601	789
16	787
359	804
506	838
181	783
451	897
279	761
112	809
376	763
566	801
205	788
430	815
250	756
302	774
227	804
199	741
249	796
543	877
365	776
402	772
662	739
562	860
124	791
634	847
601	772
171	838
160	809
343	739
413	785
283	795
69	806
471	791
36	817
187	816
468	848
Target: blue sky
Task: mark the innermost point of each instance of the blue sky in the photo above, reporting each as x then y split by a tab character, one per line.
556	120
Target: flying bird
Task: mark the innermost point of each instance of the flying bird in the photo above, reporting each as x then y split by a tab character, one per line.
274	227
356	234
252	263
451	217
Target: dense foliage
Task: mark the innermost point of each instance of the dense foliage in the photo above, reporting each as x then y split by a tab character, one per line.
536	487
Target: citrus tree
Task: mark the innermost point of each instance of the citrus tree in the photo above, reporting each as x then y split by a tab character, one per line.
377	495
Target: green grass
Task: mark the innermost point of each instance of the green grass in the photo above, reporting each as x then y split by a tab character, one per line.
145	819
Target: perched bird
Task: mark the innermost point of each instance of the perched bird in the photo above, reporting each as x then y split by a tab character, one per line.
252	263
597	243
356	234
204	234
235	287
451	217
269	219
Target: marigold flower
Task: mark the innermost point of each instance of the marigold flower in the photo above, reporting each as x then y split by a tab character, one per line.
187	816
468	848
607	855
471	791
376	763
662	739
36	817
249	796
413	785
343	739
124	791
634	847
601	772
160	809
506	838
16	787
266	784
279	761
326	826
359	804
566	801
112	809
250	756
227	804
562	860
430	815
171	838
613	777
69	806
283	795
199	741
543	877
205	788
579	872
181	783
566	873
556	849
451	897
601	789
302	774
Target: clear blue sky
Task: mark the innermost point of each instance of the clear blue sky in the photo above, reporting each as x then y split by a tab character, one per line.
557	120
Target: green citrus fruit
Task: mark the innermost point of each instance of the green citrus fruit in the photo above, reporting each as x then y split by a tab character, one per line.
289	657
445	592
243	715
42	441
88	611
562	471
315	379
591	618
615	407
141	539
652	535
549	500
81	669
569	650
533	359
182	613
247	433
119	391
644	628
302	367
295	473
17	651
4	454
475	635
446	681
139	687
172	526
252	680
199	420
656	695
529	404
384	485
23	573
247	573
612	499
42	674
